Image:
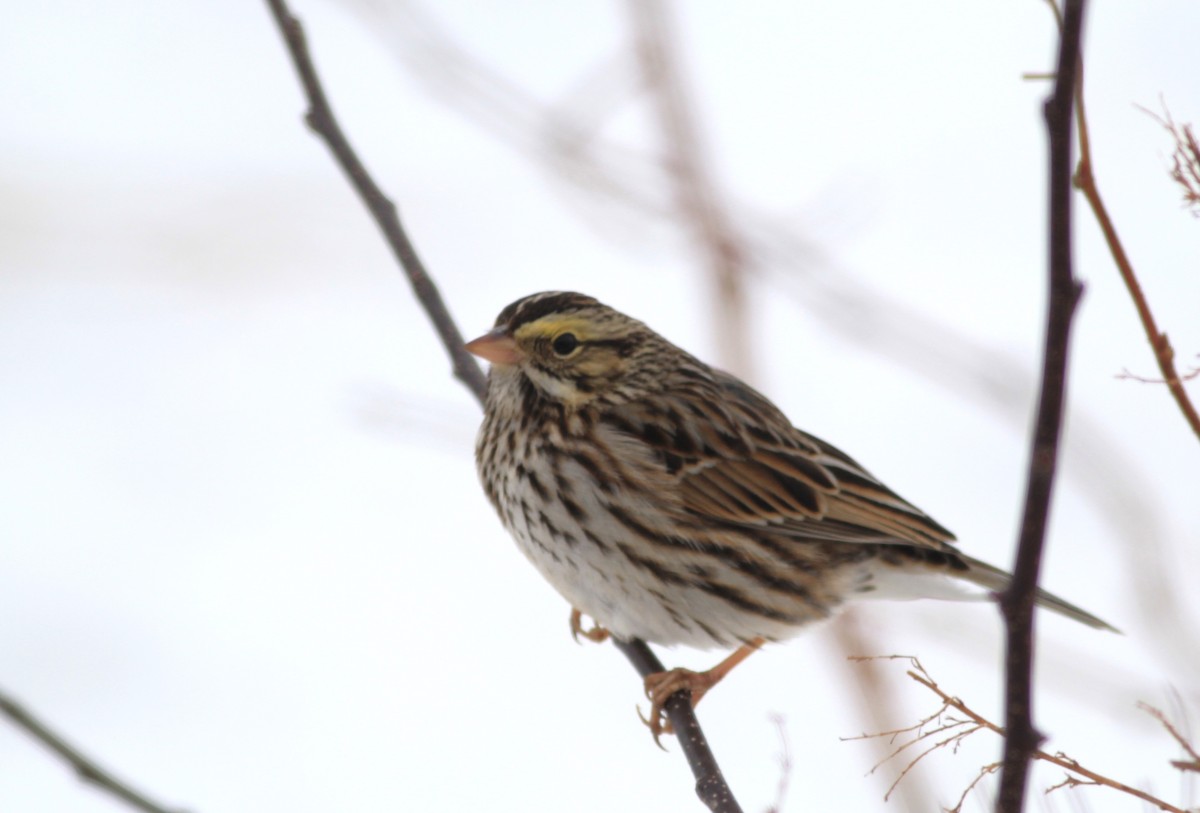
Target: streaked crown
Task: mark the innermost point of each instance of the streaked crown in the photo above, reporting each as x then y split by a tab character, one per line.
571	347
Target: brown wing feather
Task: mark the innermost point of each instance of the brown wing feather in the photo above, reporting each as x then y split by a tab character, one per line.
794	483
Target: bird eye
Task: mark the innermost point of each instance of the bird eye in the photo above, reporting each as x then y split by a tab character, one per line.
565	344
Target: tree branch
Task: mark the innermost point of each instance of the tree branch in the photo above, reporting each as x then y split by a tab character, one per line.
1016	602
84	767
1164	354
925	731
321	119
710	783
711	786
1085	180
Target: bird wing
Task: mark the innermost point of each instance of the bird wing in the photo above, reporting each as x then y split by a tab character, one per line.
744	464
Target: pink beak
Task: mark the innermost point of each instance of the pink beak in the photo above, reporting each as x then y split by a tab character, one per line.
497	347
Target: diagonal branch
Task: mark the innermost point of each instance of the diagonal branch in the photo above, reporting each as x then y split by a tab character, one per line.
1085	180
84	767
711	786
710	783
1016	602
1164	354
1192	763
321	119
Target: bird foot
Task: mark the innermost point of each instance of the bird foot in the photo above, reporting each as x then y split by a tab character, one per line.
595	633
661	686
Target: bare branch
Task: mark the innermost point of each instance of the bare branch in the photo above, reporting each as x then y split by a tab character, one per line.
1069	782
1085	180
711	786
1016	602
985	771
322	121
1092	778
1077	776
1125	375
1191	764
84	766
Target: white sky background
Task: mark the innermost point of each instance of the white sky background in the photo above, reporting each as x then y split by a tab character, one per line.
244	559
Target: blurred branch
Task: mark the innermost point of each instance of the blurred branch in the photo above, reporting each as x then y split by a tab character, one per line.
785	764
697	200
953	730
710	783
1016	602
1125	375
705	213
84	767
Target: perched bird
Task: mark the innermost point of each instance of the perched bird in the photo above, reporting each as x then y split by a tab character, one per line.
671	502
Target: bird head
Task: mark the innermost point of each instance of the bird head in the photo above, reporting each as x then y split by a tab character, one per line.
571	347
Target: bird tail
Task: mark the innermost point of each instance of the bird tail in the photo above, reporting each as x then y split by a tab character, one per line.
996	580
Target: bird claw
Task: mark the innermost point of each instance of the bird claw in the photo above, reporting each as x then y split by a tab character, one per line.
660	687
595	633
657	723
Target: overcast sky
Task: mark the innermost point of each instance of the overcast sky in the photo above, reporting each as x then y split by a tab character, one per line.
244	558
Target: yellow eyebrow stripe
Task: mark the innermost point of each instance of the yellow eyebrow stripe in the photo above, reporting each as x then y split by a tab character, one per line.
552	327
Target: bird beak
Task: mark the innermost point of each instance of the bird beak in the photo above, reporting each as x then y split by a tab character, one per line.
497	347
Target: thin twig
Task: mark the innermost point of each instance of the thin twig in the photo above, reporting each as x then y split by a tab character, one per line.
1016	602
1085	180
1125	375
877	701
1063	761
1164	353
711	786
985	771
1192	764
321	119
1060	759
84	766
1078	774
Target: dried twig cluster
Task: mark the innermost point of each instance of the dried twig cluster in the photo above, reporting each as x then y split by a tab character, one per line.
1185	159
953	721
